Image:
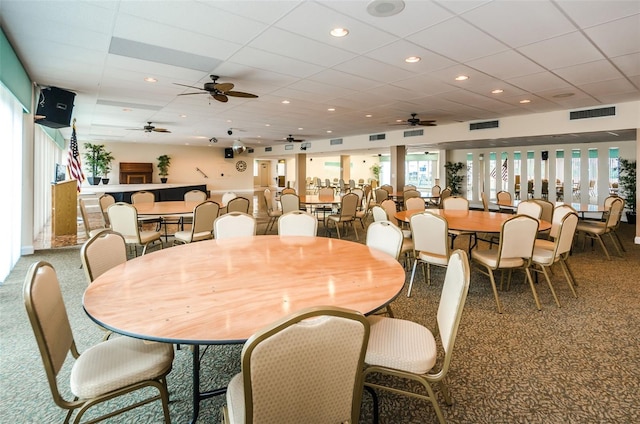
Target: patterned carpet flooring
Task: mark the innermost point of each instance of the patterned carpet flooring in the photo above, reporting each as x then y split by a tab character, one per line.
576	364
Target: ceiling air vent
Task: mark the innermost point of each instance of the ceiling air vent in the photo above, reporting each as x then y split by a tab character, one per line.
335	141
413	133
250	150
267	149
483	125
592	113
376	137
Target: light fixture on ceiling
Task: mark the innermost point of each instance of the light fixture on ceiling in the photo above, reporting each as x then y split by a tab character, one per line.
385	8
412	59
339	32
524	101
462	78
238	147
332	109
497	91
285	102
563	95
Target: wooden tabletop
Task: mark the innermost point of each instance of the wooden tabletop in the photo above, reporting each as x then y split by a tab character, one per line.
476	221
316	199
579	207
165	208
223	291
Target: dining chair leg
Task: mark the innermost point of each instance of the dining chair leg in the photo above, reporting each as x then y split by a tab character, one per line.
533	288
553	292
569	277
413	274
495	289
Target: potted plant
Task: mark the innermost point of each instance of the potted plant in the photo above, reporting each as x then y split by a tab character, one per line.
104	167
94	161
375	169
627	181
454	181
164	162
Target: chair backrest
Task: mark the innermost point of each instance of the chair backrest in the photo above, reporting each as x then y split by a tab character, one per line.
288	190
504	198
49	321
326	191
517	238
430	233
234	224
529	208
415	203
238	204
614	213
547	209
386	237
352	184
452	301
124	219
290	202
297	223
559	213
485	203
306	368
360	193
203	217
387	188
101	253
195	196
390	208
435	191
381	195
379	214
566	233
105	201
410	193
444	194
143	197
409	187
608	201
226	197
455	203
268	199
85	217
327	182
349	205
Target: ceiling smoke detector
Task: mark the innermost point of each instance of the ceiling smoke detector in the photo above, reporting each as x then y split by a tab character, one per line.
385	8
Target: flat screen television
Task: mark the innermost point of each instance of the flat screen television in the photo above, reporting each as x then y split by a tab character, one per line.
61	173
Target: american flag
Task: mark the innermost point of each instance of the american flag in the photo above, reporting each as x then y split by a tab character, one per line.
73	158
505	171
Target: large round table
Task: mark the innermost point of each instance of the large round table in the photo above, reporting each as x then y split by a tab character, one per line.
470	220
223	291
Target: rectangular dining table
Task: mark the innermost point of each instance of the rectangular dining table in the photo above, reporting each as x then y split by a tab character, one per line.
222	291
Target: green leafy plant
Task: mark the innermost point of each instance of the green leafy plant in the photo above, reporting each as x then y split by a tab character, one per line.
627	181
97	160
375	169
164	162
454	181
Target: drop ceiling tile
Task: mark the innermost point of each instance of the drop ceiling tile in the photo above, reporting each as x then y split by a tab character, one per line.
260	59
396	53
457	40
585	73
608	88
373	69
505	65
562	51
538	82
342	79
588	13
629	64
619	37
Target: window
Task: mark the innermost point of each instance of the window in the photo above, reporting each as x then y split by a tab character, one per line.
469	176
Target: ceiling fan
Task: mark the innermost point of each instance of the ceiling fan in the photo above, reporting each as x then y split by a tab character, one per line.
149	128
292	139
413	122
218	91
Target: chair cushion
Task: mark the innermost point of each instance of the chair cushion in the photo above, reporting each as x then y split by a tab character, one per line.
186	236
544	244
594	227
490	259
117	363
235	399
400	344
543	256
149	236
433	258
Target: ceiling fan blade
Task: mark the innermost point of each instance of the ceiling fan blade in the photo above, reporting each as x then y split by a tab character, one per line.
162	130
240	94
189	94
224	86
429	123
190	86
221	98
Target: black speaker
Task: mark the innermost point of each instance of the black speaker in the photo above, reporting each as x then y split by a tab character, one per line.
55	105
228	153
545	155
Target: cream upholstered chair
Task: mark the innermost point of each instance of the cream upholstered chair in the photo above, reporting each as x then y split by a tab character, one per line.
147	197
485	203
415	204
347	214
106	370
124	220
457	203
297	223
596	229
198	196
410	194
435	195
443	195
305	368
381	195
388	238
409	187
561	247
290	202
387	188
515	248
202	227
288	190
272	212
547	214
105	201
86	222
238	204
326	208
225	199
530	208
234	224
408	350
390	208
504	199
607	207
431	244
379	214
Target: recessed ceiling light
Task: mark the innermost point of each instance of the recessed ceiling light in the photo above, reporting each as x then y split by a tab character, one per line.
525	101
339	32
462	78
368	116
332	109
150	79
497	91
399	120
563	95
267	125
412	59
300	129
229	120
285	102
183	116
329	131
385	8
126	110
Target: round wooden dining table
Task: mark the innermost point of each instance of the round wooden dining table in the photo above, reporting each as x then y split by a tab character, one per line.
223	291
173	207
315	199
470	220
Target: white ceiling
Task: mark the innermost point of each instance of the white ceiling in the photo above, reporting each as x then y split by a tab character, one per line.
281	50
